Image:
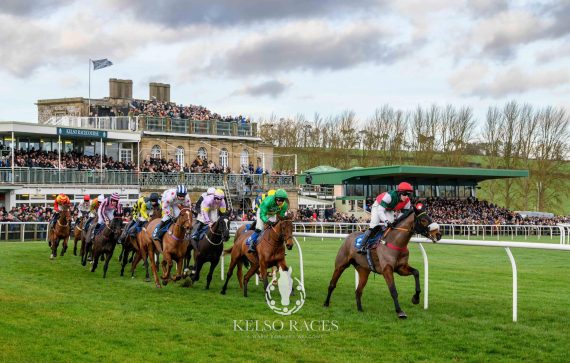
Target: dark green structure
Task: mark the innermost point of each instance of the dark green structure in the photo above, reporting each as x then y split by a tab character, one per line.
428	181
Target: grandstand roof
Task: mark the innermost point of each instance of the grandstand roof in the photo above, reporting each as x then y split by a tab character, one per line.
321	168
377	174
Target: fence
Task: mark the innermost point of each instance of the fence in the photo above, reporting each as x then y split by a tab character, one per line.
44	176
505	244
453	231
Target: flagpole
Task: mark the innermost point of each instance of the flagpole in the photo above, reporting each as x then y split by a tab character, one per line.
89	99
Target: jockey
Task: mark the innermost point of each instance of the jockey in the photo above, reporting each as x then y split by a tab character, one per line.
267	213
59	202
83	208
93	210
209	212
198	204
383	210
173	200
140	214
106	211
258	200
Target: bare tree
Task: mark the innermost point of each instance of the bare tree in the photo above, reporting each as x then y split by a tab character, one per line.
552	146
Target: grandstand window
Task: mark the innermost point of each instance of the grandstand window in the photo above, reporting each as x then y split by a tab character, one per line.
224	158
155	152
244	158
126	155
202	153
180	155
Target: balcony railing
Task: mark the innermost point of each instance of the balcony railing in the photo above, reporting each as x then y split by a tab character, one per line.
47	176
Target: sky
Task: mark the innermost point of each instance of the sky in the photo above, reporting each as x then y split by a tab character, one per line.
261	57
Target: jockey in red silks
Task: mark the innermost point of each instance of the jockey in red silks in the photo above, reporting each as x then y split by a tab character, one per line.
383	210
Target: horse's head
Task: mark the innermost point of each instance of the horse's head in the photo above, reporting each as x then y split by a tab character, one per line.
185	218
116	224
65	212
223	227
424	224
285	225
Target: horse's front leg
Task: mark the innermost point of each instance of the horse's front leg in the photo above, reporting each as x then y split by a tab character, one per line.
179	264
388	273
166	267
54	245
151	257
408	270
64	248
263	274
213	265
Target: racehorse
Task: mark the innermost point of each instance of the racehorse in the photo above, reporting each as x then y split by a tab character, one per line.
210	248
130	246
60	232
174	246
387	257
270	252
77	234
104	242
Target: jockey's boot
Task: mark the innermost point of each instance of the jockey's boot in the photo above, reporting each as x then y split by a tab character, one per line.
253	237
156	232
364	242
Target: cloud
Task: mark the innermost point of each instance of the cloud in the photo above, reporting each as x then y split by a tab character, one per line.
503	30
313	46
500	35
28	44
477	81
272	88
31	7
177	13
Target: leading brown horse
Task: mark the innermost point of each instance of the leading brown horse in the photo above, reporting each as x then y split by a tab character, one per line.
174	246
60	231
270	252
387	257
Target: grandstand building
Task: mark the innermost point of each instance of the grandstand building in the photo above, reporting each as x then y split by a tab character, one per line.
114	127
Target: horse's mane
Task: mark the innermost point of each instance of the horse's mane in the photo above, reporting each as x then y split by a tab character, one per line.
403	216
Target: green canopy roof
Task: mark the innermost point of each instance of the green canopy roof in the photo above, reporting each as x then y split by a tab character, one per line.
411	173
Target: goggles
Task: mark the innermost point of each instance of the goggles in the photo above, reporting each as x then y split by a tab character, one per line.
279	199
218	198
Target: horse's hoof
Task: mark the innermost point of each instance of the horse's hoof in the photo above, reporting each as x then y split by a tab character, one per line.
146	279
51	257
415	300
158	286
402	315
165	282
223	292
325	305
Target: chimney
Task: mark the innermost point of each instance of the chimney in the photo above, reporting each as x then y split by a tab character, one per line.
160	91
120	88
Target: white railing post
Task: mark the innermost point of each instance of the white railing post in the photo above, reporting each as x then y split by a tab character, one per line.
426	276
515	284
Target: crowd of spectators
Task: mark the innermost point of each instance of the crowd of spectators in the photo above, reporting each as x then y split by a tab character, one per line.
474	211
69	160
169	109
77	161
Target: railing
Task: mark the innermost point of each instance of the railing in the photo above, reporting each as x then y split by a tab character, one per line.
158	124
196	127
119	123
23	231
44	176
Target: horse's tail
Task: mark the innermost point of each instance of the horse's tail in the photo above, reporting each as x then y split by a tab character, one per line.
228	250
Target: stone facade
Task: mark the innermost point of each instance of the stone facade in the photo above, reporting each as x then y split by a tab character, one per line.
61	107
257	152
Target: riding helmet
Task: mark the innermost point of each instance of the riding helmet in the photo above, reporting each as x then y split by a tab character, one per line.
181	190
405	187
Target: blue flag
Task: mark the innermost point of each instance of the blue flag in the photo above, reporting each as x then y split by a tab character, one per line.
101	63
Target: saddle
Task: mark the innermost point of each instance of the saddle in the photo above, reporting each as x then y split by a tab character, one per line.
160	233
372	240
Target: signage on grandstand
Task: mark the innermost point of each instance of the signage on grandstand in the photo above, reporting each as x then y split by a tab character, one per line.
95	134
